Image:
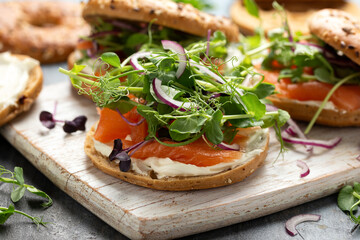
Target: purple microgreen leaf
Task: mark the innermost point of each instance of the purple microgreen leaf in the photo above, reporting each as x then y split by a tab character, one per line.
80	122
125	161
118	147
46	119
70	127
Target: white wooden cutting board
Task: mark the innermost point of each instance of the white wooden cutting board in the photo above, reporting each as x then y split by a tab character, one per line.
141	213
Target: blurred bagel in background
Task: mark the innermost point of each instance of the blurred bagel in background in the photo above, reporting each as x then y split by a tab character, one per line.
46	31
298	13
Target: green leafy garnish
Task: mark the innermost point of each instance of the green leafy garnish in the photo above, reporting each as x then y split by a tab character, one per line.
204	101
19	187
111	58
349	200
6	212
252	8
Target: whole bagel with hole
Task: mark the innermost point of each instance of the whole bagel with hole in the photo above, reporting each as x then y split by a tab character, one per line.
46	31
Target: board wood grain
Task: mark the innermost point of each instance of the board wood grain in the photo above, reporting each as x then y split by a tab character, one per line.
142	213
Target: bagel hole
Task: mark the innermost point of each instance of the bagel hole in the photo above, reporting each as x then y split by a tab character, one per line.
42	22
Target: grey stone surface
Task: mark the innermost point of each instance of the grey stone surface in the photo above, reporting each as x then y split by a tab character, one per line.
69	220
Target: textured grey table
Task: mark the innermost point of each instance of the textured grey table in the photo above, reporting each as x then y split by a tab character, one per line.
72	221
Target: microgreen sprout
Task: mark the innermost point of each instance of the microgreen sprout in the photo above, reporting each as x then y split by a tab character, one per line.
6	212
122	155
17	179
48	120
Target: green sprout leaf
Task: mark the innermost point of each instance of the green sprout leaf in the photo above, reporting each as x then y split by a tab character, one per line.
18	193
182	128
6	213
111	58
18	174
346	199
252	8
213	129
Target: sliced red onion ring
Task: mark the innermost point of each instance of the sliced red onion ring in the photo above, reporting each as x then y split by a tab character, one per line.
233	147
206	70
318	143
293	127
159	92
134	60
291	224
180	51
305	170
128	122
358	158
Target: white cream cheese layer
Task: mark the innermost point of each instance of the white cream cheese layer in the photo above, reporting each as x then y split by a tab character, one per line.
165	167
329	105
14	76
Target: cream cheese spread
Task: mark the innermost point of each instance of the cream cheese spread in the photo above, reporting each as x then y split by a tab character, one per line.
14	78
165	167
329	105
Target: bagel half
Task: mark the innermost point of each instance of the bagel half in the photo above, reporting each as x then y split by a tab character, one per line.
179	16
178	183
298	14
32	90
305	111
44	30
340	30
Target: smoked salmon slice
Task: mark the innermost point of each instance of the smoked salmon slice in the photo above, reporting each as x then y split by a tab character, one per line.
346	97
111	126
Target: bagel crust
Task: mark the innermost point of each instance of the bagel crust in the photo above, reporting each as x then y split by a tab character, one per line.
339	29
179	16
330	117
175	183
29	95
46	31
298	14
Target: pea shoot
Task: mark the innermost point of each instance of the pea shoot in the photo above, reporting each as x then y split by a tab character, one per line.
19	188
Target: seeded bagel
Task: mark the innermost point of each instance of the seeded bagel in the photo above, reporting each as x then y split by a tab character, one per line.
304	111
177	183
179	16
339	29
46	31
298	14
32	90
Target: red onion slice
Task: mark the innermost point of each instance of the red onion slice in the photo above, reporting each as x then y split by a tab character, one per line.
293	127
317	143
206	70
160	93
305	170
291	224
358	158
134	60
233	147
180	51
